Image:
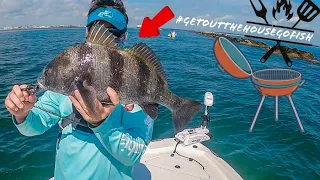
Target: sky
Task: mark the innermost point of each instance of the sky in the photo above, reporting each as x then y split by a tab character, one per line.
73	12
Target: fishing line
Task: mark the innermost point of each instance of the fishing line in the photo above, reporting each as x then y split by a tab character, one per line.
190	159
166	115
34	88
58	115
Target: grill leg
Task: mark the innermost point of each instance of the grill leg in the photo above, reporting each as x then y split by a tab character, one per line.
257	114
276	108
296	113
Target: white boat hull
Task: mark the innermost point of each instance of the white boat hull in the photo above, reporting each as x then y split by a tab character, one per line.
158	163
172	35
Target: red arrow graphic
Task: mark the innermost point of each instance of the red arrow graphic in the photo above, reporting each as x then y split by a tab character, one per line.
150	27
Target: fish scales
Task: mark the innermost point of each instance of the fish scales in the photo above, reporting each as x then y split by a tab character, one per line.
134	73
131	70
102	66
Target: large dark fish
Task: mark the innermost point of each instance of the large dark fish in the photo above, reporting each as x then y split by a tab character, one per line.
135	74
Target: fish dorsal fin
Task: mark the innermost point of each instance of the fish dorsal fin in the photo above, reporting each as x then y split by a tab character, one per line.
99	34
146	54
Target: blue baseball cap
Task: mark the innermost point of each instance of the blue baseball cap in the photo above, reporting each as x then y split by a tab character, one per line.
113	16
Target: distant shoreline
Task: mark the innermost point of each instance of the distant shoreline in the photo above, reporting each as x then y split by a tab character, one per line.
57	27
39	27
292	52
63	27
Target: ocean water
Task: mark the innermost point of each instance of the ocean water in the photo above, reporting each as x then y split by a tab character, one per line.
274	150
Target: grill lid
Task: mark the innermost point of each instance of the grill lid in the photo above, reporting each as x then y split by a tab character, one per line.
231	58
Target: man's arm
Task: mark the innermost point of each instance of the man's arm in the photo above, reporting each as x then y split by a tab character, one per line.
38	121
125	135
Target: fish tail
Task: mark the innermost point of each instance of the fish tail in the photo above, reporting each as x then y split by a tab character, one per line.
183	112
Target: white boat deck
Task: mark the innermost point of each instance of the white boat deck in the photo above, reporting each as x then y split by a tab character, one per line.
159	164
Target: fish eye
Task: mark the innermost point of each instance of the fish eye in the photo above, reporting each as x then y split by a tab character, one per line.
46	72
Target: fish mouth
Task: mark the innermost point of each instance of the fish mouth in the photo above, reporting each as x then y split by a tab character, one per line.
40	83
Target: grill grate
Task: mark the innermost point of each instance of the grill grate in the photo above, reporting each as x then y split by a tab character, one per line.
276	74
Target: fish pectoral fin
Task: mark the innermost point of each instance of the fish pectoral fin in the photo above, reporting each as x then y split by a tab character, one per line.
89	97
145	53
151	110
101	35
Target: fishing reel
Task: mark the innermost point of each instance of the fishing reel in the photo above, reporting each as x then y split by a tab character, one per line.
201	133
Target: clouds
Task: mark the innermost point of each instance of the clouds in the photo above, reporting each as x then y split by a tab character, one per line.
55	12
42	12
210	17
224	18
205	16
13	6
284	20
139	18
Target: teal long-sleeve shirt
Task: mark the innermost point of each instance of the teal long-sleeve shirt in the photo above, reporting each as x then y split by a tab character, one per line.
110	153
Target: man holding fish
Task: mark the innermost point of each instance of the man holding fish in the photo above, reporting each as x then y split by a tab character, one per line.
109	138
110	145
